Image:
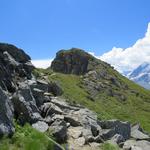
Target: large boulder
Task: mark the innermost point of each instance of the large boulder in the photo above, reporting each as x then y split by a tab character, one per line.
75	132
138	134
39	96
14	65
59	130
40	126
107	134
18	54
117	138
119	127
74	61
25	105
61	103
6	115
48	109
136	145
55	89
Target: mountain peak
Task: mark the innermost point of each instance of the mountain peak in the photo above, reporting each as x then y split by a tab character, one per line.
141	75
74	61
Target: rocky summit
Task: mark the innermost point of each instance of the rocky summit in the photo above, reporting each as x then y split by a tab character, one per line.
75	61
33	96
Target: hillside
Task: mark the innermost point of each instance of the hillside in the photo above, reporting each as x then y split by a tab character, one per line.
79	102
100	87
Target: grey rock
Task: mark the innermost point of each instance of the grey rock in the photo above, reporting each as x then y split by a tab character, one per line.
6	115
107	134
40	126
82	117
14	66
75	132
25	105
50	109
59	130
48	120
39	96
42	85
55	88
68	124
138	134
122	128
87	134
73	120
77	61
117	138
18	54
136	145
62	104
80	141
57	116
129	144
10	60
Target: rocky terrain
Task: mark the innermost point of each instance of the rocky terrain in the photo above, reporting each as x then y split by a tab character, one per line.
39	101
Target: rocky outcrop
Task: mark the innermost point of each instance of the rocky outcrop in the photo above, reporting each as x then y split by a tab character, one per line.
24	104
136	145
119	127
73	61
97	76
6	114
14	65
81	129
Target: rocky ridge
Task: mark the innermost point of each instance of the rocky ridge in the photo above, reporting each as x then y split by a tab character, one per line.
36	101
97	76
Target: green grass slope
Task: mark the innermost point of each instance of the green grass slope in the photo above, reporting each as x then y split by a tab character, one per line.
27	138
135	107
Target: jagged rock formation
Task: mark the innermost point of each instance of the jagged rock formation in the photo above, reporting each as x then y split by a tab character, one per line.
36	101
97	76
21	94
75	61
80	128
6	114
14	65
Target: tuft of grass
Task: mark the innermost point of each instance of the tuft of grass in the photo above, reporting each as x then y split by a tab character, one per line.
26	138
109	146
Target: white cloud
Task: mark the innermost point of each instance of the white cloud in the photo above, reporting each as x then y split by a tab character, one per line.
130	58
43	63
122	59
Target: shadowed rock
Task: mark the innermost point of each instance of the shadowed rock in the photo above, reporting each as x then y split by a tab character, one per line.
13	63
6	114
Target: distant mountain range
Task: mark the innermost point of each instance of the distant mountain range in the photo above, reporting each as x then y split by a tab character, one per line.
141	75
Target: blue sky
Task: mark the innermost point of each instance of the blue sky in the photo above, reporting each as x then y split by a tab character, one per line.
42	27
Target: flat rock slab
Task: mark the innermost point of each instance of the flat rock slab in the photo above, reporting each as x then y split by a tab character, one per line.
136	145
75	132
40	126
139	135
79	144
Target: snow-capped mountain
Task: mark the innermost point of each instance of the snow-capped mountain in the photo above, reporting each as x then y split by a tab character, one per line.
141	75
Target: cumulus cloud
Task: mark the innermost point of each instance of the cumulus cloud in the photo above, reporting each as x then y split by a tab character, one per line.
45	63
127	59
123	60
